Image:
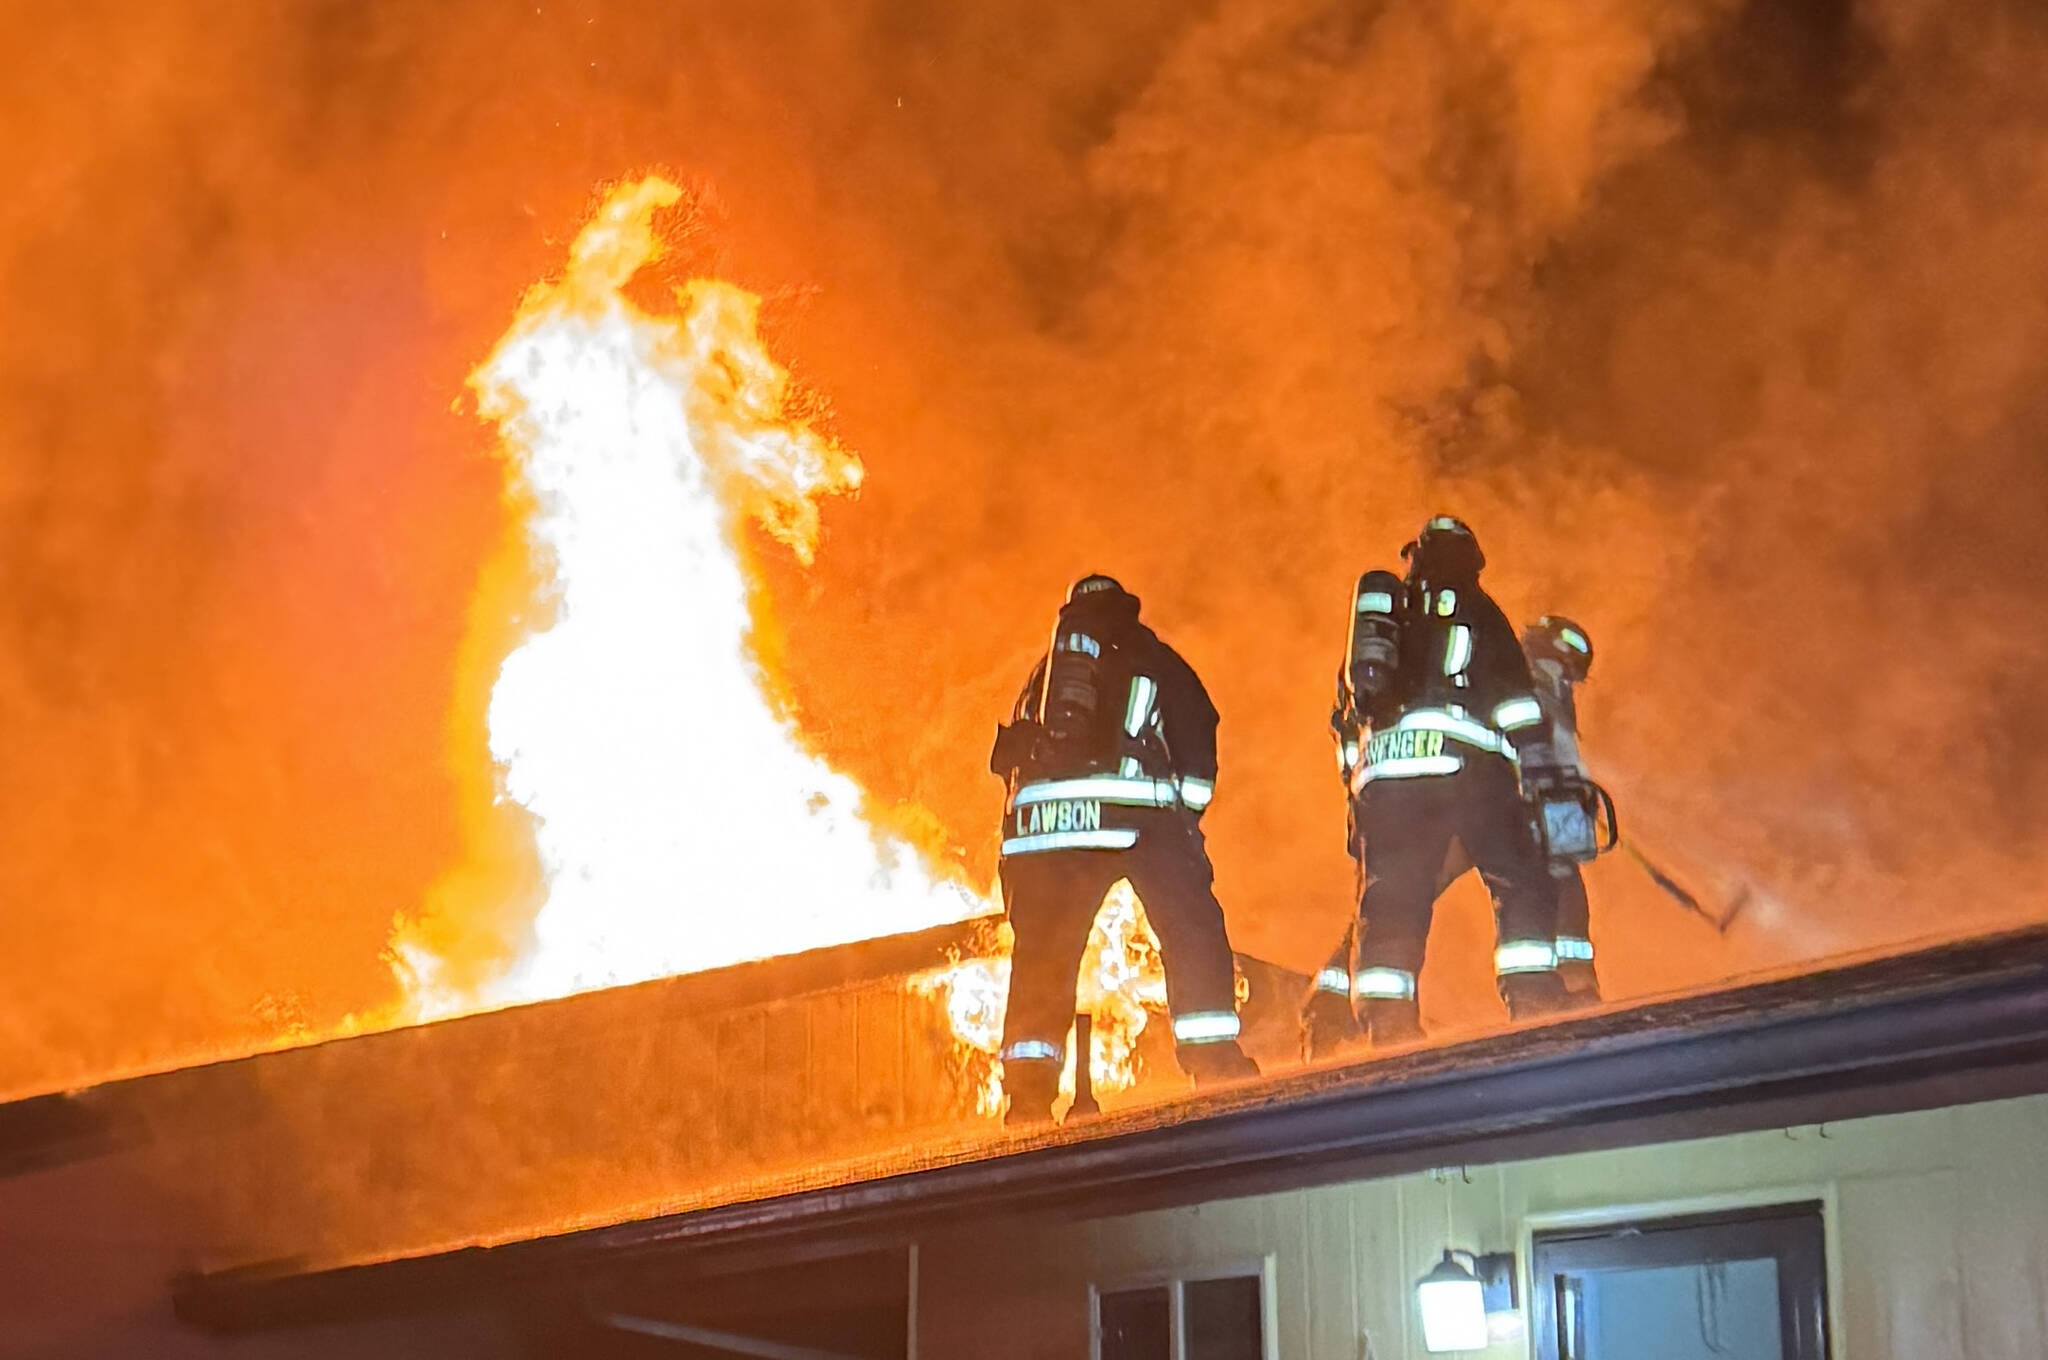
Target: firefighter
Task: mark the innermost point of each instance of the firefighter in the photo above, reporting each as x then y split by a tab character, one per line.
1110	760
1431	767
1560	654
1560	657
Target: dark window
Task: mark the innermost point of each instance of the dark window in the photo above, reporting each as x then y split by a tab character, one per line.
1747	1286
1137	1324
1223	1319
1201	1319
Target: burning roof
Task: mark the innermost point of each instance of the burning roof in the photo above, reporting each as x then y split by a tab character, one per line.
1945	1025
827	1067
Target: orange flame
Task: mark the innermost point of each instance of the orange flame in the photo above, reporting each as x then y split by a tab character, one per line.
1122	984
678	821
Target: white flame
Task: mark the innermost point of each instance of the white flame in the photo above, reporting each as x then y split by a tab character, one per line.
680	823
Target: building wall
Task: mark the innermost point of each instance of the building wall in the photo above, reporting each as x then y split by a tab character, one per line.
87	1252
1937	1229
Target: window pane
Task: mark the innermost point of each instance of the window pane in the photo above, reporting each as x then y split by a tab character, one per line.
1723	1311
1223	1319
1136	1325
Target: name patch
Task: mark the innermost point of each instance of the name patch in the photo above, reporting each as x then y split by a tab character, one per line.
1065	814
1404	745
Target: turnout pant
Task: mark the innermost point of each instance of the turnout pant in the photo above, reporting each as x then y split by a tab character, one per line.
1411	828
1574	914
1575	934
1574	923
1053	897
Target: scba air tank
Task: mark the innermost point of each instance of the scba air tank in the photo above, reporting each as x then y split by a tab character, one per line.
1080	725
1375	634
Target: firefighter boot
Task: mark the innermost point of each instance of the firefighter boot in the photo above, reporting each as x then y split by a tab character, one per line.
1387	1021
1032	1085
1531	996
1209	1064
1327	1024
1581	984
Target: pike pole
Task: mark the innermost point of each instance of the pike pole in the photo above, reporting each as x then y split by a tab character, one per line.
1678	893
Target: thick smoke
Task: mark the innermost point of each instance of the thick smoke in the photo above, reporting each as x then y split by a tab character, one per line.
1721	322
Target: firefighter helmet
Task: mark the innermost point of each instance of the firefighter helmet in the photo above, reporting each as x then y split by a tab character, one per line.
1103	599
1445	550
1095	583
1556	638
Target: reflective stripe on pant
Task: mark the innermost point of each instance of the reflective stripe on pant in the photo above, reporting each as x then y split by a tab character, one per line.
1034	1050
1366	984
1524	956
1383	984
1053	898
1412	830
1205	1027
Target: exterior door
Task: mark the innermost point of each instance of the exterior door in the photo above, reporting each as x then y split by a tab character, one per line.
1740	1286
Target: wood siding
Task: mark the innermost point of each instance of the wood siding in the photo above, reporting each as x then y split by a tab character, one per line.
1937	1227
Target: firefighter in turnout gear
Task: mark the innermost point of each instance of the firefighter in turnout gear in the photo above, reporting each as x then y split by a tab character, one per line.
1110	760
1429	757
1560	655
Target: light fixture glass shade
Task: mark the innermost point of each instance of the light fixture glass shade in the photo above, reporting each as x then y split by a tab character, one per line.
1453	1308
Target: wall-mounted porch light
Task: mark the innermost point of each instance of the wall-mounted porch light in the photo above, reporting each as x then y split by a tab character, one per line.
1466	1309
1453	1307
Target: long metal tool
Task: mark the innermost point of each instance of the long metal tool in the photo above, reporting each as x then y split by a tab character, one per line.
1678	893
1085	1103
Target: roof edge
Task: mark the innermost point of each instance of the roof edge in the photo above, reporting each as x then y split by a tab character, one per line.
1947	1025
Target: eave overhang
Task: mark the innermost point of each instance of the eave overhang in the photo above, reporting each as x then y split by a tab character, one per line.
1941	1026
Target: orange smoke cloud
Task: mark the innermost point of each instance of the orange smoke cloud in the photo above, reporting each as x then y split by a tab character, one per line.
1716	319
